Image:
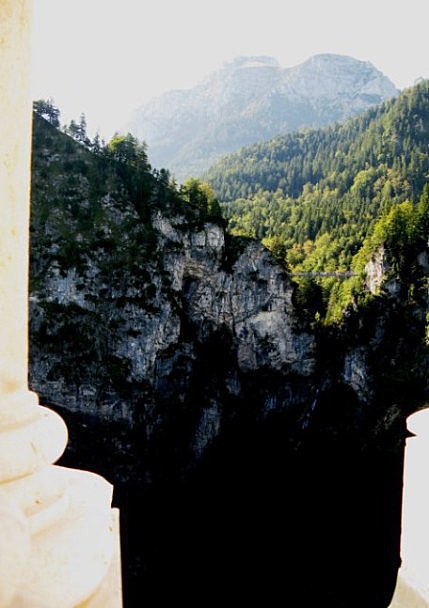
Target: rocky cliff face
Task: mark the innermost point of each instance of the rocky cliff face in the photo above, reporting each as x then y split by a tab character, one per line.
212	313
235	430
252	99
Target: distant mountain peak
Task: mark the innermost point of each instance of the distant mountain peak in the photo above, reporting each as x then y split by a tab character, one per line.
331	57
252	98
253	61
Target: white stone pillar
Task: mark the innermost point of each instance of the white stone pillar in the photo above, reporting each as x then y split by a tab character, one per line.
57	534
15	129
412	589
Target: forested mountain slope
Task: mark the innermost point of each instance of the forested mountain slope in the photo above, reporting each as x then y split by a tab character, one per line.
251	99
315	195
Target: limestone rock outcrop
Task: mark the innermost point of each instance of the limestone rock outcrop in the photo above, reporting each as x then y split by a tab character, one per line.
204	308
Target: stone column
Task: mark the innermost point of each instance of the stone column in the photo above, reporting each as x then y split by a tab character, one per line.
412	590
57	535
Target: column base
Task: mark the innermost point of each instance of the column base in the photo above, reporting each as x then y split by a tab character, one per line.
71	533
407	596
109	593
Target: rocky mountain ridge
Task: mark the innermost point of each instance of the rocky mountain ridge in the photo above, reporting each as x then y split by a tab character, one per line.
252	99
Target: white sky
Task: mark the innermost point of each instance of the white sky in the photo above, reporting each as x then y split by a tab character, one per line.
105	57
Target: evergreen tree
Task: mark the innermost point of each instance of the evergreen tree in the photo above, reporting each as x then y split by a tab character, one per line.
47	110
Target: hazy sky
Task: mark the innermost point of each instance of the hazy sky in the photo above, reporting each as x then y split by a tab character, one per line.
105	57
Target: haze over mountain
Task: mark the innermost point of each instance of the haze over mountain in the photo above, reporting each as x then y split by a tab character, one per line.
251	99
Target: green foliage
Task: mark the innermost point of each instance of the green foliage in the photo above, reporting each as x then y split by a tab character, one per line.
129	156
127	149
403	231
423	215
398	229
86	203
47	110
200	195
320	192
78	131
277	248
324	200
308	299
402	234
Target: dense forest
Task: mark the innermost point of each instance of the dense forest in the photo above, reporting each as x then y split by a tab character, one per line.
313	196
